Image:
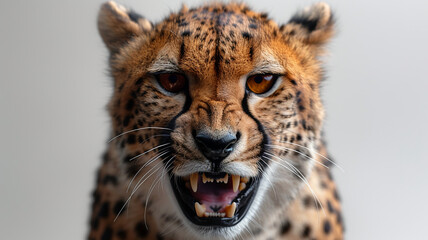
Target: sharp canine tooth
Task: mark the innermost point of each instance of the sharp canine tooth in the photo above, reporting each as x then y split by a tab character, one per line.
230	210
235	180
245	179
200	209
194	181
242	186
204	178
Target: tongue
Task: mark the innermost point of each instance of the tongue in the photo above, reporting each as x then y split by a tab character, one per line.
215	196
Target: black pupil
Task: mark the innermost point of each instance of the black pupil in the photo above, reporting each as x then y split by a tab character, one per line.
172	78
258	79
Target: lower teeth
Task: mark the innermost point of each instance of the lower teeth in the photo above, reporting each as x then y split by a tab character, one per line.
229	211
214	214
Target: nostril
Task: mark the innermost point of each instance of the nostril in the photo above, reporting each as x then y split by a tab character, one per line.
215	149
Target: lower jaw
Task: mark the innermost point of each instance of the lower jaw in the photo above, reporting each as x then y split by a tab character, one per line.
186	202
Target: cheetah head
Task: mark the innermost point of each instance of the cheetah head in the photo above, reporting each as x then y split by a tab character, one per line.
216	111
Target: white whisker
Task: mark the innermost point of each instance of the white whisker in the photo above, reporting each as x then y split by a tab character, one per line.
299	175
138	129
317	153
154	158
154	148
134	191
152	188
293	150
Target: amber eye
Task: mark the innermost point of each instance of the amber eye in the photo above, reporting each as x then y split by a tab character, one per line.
261	83
172	82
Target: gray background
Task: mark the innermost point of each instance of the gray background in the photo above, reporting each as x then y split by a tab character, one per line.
53	126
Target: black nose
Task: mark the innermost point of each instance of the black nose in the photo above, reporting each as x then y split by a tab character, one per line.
215	149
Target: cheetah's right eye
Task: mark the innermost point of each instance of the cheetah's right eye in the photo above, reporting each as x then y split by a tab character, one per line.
172	82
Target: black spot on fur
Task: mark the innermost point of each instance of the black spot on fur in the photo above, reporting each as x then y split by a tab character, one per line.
131	139
129	104
186	33
104	210
109	179
232	34
106	157
306	231
308	201
182	24
159	237
327	227
121	234
285	227
127	158
95	222
330	206
182	50
246	35
126	121
253	26
336	195
293	82
119	204
339	217
323	185
141	230
107	234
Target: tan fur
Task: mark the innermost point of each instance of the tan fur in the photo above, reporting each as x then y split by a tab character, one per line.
217	47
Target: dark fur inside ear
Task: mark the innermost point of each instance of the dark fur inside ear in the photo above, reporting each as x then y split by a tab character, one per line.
117	25
313	25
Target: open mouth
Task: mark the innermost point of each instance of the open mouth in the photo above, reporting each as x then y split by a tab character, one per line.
214	199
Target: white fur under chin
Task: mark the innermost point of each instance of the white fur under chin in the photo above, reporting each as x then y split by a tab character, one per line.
285	187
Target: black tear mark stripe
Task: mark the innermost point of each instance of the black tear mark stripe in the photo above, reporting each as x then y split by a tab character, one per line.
171	124
262	164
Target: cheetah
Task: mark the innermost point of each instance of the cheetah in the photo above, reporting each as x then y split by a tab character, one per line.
216	124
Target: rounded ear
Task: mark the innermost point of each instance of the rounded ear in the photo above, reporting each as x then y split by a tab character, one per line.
117	25
313	25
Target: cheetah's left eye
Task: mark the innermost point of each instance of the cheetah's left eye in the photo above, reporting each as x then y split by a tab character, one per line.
172	82
261	83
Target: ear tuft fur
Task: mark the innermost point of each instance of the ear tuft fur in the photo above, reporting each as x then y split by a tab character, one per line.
313	25
117	25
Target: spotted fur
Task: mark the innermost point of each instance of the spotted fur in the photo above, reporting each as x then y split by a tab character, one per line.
217	46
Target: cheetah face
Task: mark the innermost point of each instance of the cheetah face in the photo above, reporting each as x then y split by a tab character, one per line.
220	106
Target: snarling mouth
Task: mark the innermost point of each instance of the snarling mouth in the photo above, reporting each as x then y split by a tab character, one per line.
214	199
